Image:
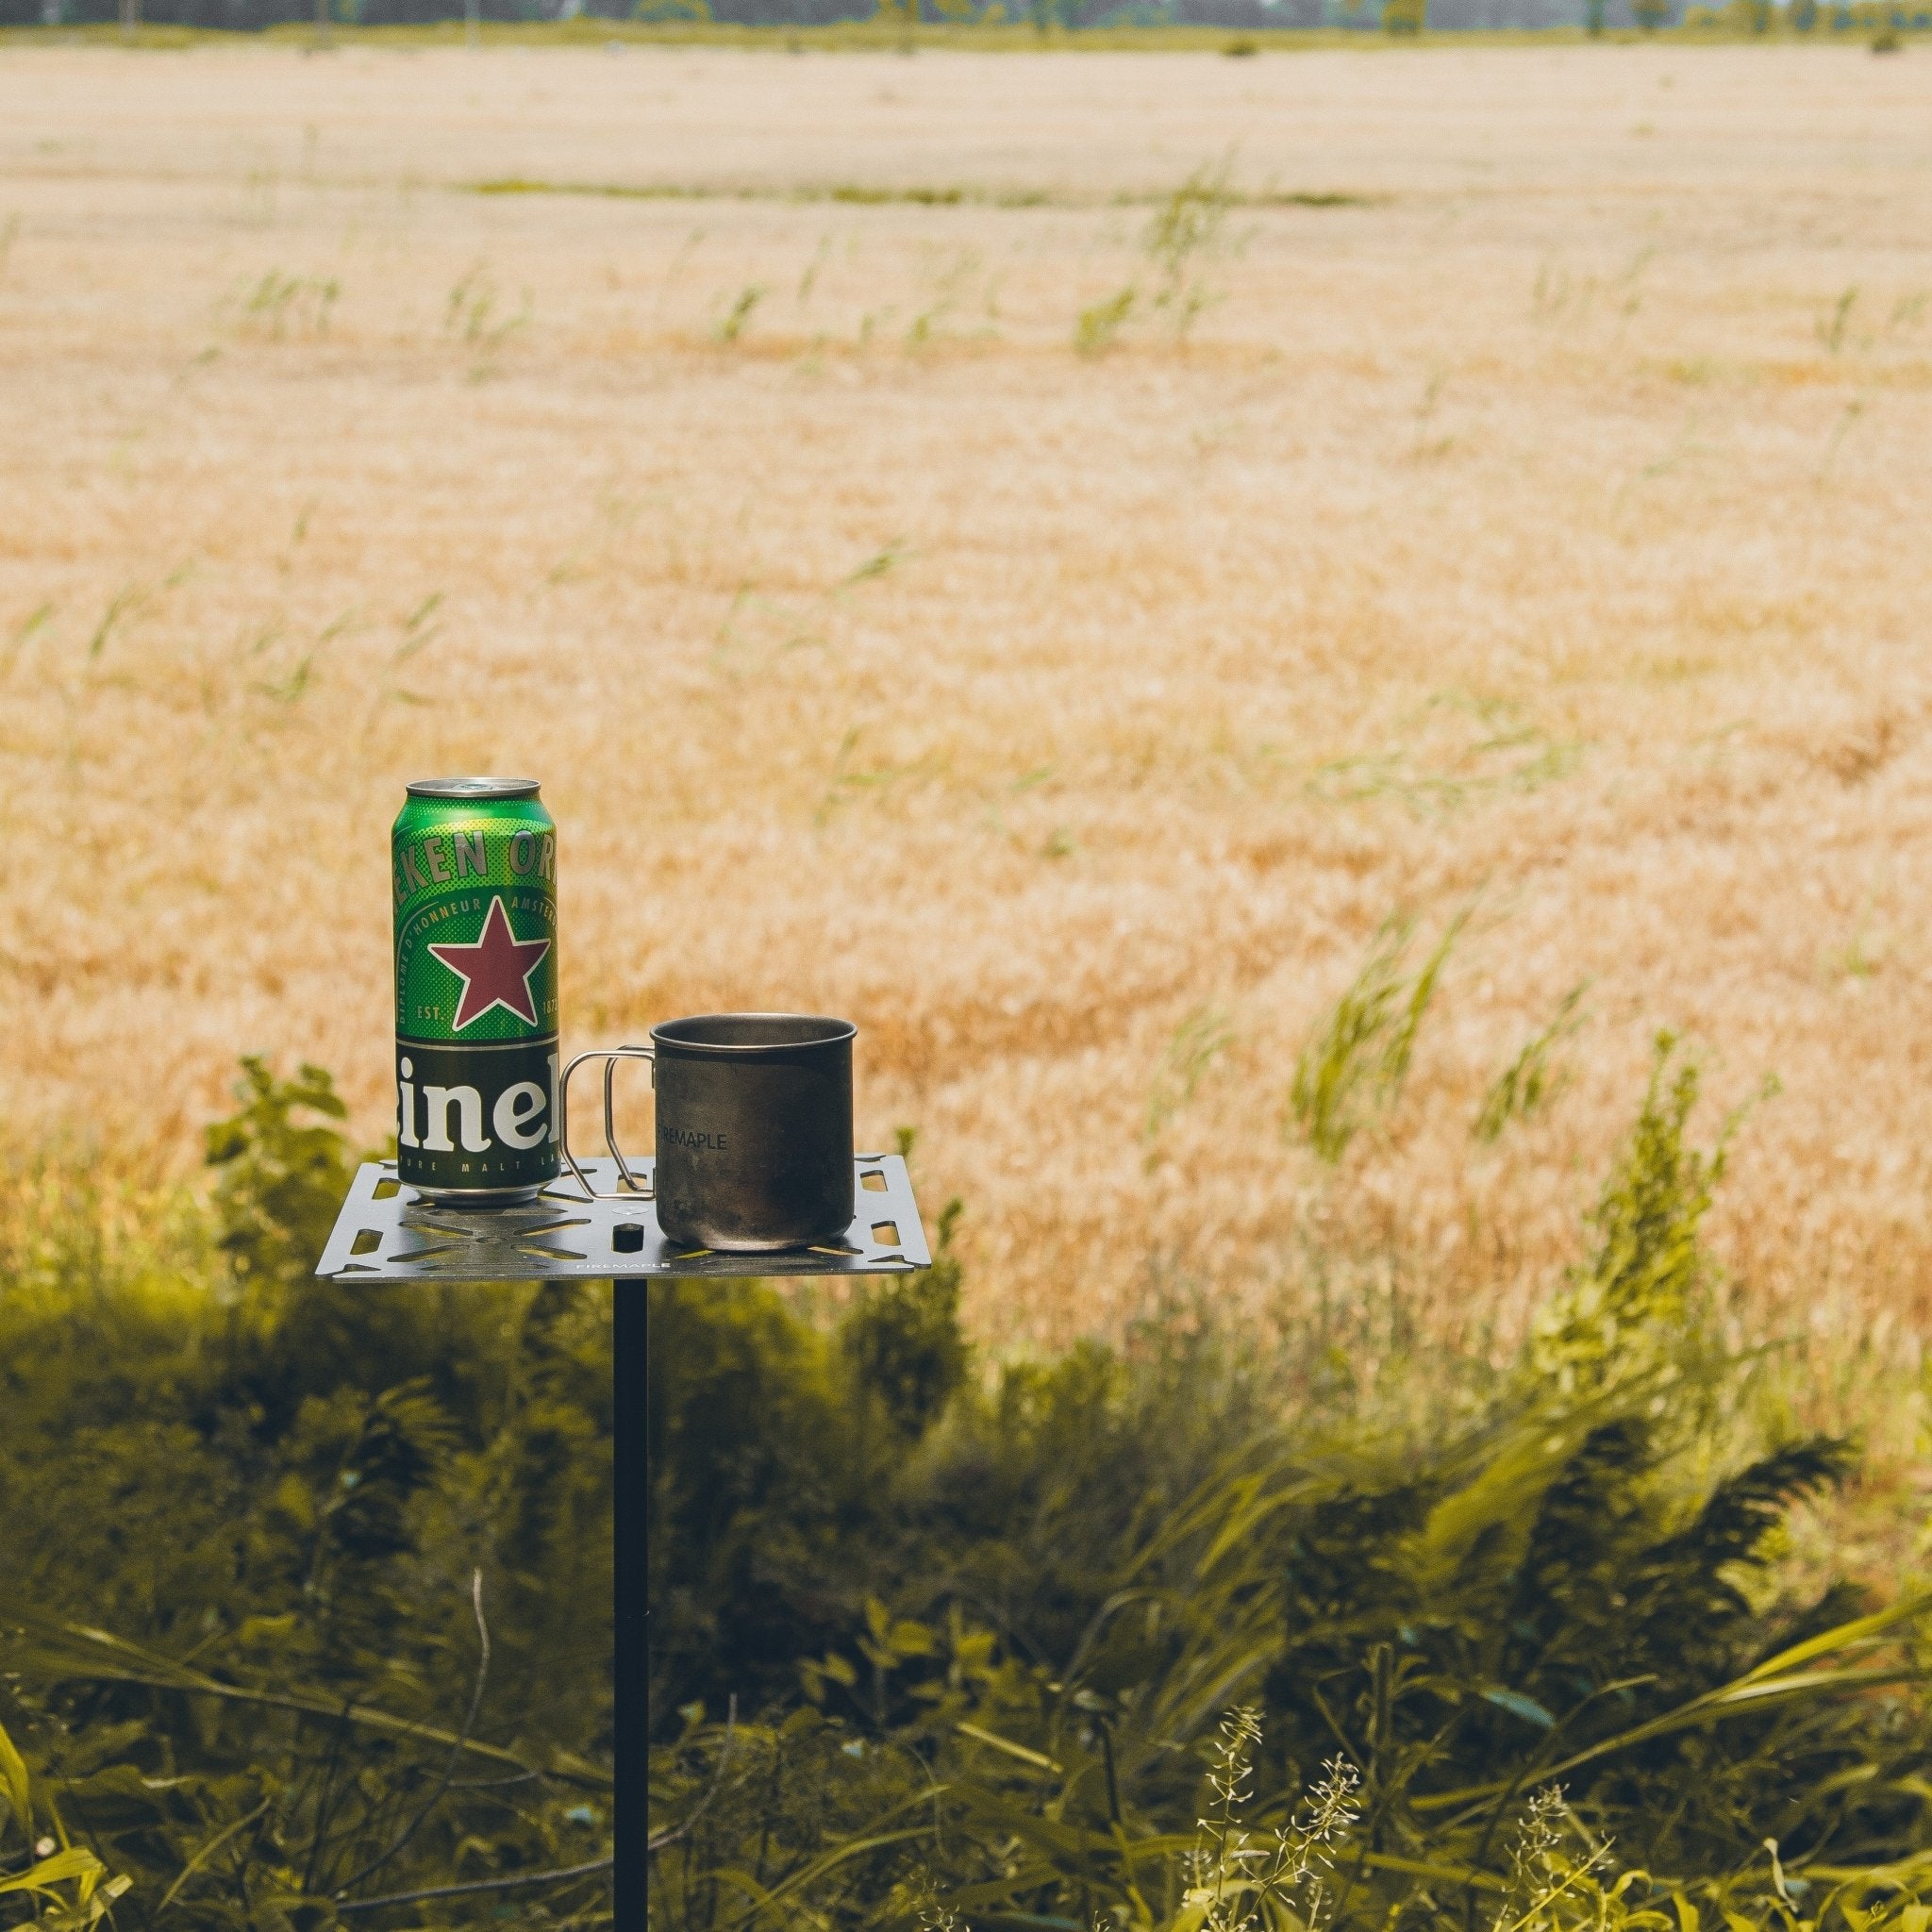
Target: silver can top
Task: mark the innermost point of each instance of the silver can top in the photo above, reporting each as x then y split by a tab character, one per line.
473	787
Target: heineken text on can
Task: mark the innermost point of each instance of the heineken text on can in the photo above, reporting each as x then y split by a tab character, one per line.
474	871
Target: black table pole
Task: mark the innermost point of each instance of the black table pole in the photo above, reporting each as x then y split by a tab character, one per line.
630	1496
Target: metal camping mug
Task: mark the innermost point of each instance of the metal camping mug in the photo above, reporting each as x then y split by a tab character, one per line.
754	1128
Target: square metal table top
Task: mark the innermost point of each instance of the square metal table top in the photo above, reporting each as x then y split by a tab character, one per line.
386	1232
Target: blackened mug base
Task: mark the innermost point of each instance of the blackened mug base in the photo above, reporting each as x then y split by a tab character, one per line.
741	1244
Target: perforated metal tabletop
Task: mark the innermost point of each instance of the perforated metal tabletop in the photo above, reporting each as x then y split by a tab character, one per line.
388	1232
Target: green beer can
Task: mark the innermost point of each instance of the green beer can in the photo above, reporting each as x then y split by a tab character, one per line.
474	865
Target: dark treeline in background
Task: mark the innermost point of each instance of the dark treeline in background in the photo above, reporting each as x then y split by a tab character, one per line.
1367	16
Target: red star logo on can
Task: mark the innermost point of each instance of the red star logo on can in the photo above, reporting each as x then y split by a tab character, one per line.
495	971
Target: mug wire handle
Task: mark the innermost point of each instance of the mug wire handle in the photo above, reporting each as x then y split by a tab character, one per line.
630	1185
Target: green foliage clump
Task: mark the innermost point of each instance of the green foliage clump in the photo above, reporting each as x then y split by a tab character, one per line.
1640	1297
1534	1078
1524	1659
305	1600
902	1341
62	1884
1198	1042
1185	232
280	1181
1099	323
1359	1056
305	1621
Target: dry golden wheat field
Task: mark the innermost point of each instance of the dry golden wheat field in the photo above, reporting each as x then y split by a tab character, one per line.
1511	491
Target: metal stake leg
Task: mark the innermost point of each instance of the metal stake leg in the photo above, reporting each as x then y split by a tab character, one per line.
630	1487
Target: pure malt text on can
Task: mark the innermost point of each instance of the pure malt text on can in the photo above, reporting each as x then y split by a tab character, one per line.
473	866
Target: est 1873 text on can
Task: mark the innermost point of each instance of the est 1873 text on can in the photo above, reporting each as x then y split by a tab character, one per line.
474	864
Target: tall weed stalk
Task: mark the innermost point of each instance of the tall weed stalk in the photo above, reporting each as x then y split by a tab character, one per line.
1359	1057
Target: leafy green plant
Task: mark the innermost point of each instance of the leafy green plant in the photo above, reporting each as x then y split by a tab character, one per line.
1098	324
1645	1283
280	302
1832	327
902	1341
1468	749
1184	233
1533	1079
280	1182
63	1887
1359	1056
1200	1039
472	314
1243	1882
736	319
